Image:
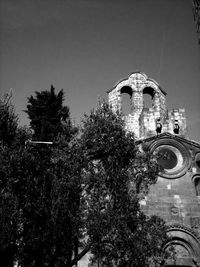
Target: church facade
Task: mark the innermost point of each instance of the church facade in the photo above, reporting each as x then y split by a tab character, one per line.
176	195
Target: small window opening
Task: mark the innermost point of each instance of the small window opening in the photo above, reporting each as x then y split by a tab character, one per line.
197	186
126	94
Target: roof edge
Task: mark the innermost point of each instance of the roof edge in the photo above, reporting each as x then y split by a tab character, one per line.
136	72
171	136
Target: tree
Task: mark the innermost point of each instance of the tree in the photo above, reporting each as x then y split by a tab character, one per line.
67	203
50	177
11	135
40	187
41	209
79	193
48	117
8	120
118	176
8	212
50	215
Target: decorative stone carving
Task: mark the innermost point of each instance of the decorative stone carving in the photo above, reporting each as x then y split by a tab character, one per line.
195	223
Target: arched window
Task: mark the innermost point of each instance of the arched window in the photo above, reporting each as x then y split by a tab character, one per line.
148	94
126	94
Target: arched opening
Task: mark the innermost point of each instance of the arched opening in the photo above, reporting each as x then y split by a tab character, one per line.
148	94
183	244
198	160
126	94
198	163
178	253
197	185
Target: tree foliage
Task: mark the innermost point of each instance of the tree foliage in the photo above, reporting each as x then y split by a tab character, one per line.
48	117
8	120
78	194
49	207
40	198
117	178
11	137
8	211
50	177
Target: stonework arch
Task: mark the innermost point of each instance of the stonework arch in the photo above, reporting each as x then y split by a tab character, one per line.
137	82
187	239
197	160
136	85
149	90
126	93
126	89
142	119
186	245
196	181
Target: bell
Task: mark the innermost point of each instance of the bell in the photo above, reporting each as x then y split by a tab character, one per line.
158	127
176	128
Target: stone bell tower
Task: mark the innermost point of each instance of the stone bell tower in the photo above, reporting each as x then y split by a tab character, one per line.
176	195
146	122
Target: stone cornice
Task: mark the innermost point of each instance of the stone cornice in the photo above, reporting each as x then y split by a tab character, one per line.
168	136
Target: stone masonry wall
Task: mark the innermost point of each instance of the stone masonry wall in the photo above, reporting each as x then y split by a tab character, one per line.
143	121
176	199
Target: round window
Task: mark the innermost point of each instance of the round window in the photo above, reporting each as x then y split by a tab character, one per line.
167	159
172	156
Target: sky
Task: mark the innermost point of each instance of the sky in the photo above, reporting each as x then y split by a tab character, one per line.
85	46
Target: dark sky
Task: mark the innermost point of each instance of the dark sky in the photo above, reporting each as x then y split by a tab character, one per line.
86	46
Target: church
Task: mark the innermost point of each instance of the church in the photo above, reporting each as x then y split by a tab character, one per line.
176	195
